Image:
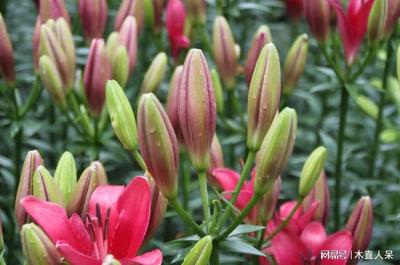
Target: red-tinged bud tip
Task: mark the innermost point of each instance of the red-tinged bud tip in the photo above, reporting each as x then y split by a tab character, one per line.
7	70
93	16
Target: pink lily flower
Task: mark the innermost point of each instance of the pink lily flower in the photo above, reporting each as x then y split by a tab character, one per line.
294	8
308	248
116	225
175	23
352	25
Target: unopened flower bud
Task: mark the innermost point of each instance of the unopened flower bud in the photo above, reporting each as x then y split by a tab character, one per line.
393	15
97	72
200	253
155	74
173	101
175	23
87	183
120	66
269	201
158	145
295	63
44	186
129	39
93	16
368	106
376	21
261	37
317	14
128	8
197	10
110	260
53	9
275	150
121	116
32	161
100	172
320	194
197	108
7	70
216	160
224	51
37	247
360	224
312	170
219	94
65	175
52	80
158	8
264	95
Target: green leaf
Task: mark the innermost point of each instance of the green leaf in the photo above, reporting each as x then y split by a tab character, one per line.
238	246
245	229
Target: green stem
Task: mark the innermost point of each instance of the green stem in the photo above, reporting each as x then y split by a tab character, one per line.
96	139
185	182
33	96
214	259
205	39
204	194
186	217
381	106
139	160
243	176
339	159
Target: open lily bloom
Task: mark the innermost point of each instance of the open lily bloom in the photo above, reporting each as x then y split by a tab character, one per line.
352	25
309	247
116	225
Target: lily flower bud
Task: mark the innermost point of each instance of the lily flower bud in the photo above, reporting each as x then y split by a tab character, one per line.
110	260
52	80
87	183
197	10
53	9
219	94
158	145
320	194
120	66
100	172
295	63
7	69
261	37
37	247
312	170
197	108
65	175
264	95
275	150
93	16
224	51
376	21
32	161
128	37
360	224
216	160
44	186
128	8
393	15
155	74
200	253
317	14
97	72
173	101
269	201
121	116
175	23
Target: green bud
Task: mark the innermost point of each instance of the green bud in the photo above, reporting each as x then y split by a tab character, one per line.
100	171
37	247
148	13
275	150
200	253
45	187
155	74
312	170
52	80
219	95
389	136
65	175
368	106
113	42
377	21
110	260
120	66
121	115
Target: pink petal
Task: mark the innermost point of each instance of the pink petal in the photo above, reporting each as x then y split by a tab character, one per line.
134	214
313	236
79	230
226	178
287	207
75	257
341	241
308	215
153	257
288	249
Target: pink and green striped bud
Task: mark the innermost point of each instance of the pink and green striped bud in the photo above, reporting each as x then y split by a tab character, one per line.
261	37
57	43
128	8
100	172
95	76
7	69
312	169
87	183
295	63
200	253
65	175
197	11
119	59
197	108
25	187
219	93
37	247
392	17
155	73
264	95
320	194
224	51
53	9
44	186
93	16
173	102
376	21
158	145
121	116
129	39
317	14
216	160
275	150
51	80
360	224
268	202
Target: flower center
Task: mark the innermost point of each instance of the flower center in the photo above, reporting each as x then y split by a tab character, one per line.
98	231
